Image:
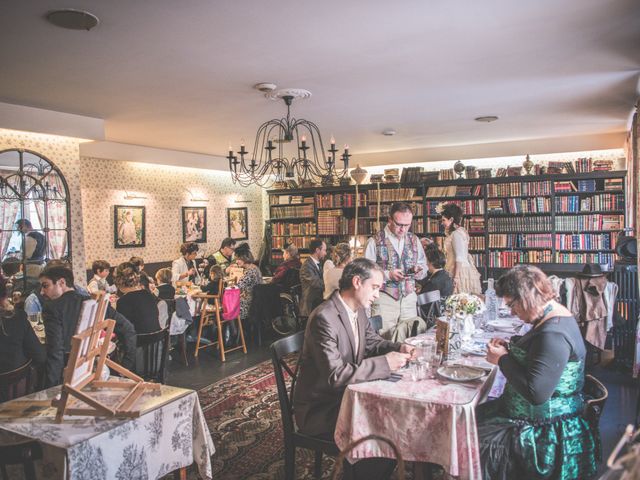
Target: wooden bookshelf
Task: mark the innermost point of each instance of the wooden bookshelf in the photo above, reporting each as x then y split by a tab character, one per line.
549	220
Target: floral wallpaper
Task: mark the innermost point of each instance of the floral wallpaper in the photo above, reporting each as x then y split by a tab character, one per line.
64	153
166	189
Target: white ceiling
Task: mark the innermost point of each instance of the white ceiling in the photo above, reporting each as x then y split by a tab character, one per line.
178	74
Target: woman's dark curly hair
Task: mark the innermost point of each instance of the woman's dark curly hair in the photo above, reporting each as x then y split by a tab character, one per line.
451	210
127	276
188	248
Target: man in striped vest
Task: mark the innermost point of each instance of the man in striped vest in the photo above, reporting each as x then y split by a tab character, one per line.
402	259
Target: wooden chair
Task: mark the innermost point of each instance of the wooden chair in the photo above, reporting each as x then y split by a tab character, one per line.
596	395
151	355
211	314
16	383
24	454
292	438
181	338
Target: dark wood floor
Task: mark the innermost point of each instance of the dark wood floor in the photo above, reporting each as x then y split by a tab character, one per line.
207	369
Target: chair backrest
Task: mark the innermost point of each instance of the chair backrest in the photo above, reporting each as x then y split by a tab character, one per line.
595	394
21	453
429	297
279	350
291	279
151	355
16	383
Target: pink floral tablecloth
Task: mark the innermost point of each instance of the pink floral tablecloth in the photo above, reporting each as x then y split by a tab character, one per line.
429	421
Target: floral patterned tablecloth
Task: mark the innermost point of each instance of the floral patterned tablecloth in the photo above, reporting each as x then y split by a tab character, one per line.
171	433
430	420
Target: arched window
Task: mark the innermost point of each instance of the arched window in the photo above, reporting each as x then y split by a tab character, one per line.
34	216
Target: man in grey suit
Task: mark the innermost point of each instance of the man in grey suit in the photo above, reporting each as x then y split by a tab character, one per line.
311	278
341	348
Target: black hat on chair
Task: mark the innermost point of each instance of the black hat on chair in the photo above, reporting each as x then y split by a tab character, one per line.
627	248
591	270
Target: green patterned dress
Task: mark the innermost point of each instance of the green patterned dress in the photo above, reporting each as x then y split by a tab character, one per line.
546	438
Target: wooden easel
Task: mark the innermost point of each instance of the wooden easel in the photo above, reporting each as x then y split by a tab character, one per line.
80	373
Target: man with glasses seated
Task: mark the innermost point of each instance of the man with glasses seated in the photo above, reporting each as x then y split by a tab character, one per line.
401	256
224	256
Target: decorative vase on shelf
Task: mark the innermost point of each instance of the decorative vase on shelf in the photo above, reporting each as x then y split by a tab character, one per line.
358	174
528	165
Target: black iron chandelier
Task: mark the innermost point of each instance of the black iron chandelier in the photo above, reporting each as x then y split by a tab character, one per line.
308	164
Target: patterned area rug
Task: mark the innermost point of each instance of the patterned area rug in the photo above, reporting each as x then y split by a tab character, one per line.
243	414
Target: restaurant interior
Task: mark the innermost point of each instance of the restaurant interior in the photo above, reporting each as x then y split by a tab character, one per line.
319	240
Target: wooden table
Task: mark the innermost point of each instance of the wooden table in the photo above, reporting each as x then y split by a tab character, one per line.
170	434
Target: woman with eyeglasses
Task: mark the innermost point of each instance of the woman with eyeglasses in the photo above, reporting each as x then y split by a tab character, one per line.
536	428
466	278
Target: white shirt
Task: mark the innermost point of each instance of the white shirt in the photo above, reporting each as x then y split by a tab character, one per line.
353	320
398	245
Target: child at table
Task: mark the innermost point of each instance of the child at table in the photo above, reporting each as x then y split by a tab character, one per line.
212	288
99	283
165	290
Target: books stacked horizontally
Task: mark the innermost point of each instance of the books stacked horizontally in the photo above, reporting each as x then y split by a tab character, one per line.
565	186
375	178
475	224
613	184
391	175
602	165
329	222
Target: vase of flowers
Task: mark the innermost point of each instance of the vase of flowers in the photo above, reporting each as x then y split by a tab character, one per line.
460	309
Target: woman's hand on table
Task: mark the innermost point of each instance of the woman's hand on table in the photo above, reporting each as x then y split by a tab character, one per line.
495	351
499	342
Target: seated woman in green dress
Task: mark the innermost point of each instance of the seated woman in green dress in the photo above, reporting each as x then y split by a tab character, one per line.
535	430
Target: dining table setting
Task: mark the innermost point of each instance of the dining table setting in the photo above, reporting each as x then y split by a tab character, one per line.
427	409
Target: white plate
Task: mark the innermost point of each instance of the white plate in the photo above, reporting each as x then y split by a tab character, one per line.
460	373
414	341
503	325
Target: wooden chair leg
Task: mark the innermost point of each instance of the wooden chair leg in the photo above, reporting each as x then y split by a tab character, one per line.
180	474
220	338
244	345
183	347
317	465
202	320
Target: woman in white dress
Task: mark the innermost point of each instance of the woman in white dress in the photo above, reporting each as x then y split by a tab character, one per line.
466	278
184	268
127	230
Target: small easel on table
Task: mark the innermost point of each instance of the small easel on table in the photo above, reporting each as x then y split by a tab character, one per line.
443	328
80	374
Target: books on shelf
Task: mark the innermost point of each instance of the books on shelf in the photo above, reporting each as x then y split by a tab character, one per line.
508	259
441	191
289	211
329	222
516	189
579	223
411	175
392	195
331	200
281	228
447	174
282	242
476	243
598	202
520	240
586	185
607	259
524	205
565	186
586	241
469	207
520	224
289	199
613	184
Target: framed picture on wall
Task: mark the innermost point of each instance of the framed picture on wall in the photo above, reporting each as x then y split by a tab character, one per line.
194	224
238	223
128	226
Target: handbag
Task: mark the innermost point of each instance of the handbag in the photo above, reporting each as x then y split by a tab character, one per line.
231	303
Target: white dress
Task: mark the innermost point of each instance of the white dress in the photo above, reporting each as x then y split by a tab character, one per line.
456	249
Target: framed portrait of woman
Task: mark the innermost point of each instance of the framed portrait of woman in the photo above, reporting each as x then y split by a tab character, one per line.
194	224
128	226
237	223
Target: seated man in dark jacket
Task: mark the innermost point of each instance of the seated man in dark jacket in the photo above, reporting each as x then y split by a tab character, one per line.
60	316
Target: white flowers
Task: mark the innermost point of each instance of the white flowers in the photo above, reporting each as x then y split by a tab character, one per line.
463	304
440	207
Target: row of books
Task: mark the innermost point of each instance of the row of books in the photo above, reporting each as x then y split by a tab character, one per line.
454	191
613	184
330	200
392	195
411	175
291	211
476	243
520	240
282	242
306	228
289	199
478	259
508	259
607	259
586	241
587	164
328	221
520	205
518	188
603	201
520	224
469	207
581	223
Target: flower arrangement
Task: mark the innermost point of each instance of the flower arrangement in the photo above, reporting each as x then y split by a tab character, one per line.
463	304
440	208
